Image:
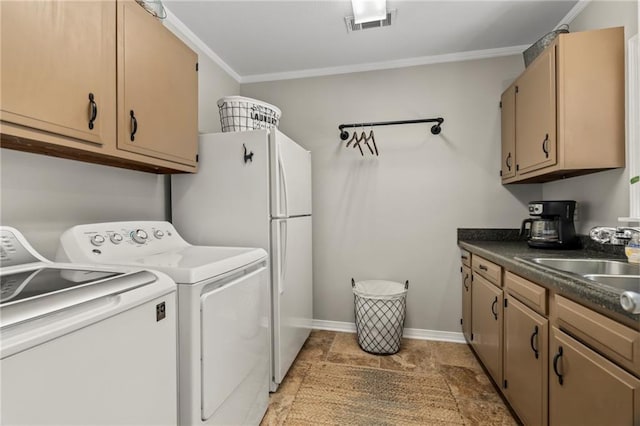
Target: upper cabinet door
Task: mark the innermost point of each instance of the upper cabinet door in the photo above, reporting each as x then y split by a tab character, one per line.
508	112
157	89
536	114
59	67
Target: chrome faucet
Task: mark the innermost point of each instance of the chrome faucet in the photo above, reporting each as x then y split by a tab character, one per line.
616	236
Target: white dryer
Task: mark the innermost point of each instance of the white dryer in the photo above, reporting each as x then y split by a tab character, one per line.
223	317
82	344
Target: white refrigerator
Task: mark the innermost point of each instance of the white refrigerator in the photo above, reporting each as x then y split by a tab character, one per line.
253	189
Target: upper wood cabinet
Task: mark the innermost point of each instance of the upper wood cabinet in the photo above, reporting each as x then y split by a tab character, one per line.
157	111
536	115
564	116
59	68
64	95
508	106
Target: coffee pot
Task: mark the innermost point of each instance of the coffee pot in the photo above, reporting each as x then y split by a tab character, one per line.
551	225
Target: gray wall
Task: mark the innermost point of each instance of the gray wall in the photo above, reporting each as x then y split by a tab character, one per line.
42	196
603	196
395	216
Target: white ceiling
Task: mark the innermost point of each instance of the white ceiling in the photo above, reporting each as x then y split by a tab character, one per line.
266	40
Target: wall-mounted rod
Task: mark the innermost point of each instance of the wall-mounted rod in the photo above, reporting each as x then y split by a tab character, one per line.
435	129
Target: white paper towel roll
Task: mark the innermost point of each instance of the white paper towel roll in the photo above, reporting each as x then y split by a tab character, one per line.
630	301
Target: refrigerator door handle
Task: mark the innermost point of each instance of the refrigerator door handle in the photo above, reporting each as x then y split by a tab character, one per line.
283	258
283	179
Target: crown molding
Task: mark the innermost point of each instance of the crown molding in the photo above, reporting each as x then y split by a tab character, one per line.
376	66
178	25
575	11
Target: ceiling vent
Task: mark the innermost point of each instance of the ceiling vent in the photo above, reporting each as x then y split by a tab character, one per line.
352	26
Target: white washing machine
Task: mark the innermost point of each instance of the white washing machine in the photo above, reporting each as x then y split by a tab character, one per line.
223	318
81	344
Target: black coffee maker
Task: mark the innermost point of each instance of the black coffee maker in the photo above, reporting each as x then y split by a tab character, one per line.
551	225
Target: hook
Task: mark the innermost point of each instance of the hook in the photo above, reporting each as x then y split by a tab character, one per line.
344	135
247	157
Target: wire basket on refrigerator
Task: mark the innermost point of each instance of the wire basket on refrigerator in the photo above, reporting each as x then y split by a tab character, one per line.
238	113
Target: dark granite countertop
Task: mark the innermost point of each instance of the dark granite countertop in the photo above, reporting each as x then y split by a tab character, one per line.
505	251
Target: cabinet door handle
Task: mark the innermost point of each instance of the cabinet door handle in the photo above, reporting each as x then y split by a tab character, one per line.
134	126
93	108
508	162
494	306
545	145
464	282
556	359
483	268
534	340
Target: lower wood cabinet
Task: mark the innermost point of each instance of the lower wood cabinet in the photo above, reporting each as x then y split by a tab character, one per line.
587	389
465	321
525	361
557	362
486	324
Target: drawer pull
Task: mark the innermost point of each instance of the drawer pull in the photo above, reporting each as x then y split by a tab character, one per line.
556	359
534	340
134	126
94	110
494	306
464	257
483	268
464	282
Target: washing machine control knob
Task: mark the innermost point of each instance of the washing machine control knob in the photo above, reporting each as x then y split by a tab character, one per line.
139	236
116	238
158	234
97	240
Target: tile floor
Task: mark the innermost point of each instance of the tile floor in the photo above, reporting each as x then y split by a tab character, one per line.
478	401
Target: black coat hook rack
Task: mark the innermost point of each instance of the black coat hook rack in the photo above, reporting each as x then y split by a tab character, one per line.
435	129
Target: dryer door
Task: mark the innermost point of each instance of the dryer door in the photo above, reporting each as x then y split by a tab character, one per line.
235	346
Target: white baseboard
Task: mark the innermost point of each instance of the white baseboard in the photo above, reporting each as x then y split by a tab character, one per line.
411	333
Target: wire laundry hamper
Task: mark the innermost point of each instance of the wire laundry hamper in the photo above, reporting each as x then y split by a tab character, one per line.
238	113
380	310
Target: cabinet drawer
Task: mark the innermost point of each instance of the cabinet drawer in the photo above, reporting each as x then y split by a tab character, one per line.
487	269
532	295
465	258
616	341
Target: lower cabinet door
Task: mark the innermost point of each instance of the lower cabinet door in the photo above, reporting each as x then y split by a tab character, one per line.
466	303
587	389
526	362
486	323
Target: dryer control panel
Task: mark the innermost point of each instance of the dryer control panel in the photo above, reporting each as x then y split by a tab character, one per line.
118	240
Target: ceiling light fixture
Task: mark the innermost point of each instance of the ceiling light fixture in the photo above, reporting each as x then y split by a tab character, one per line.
369	10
